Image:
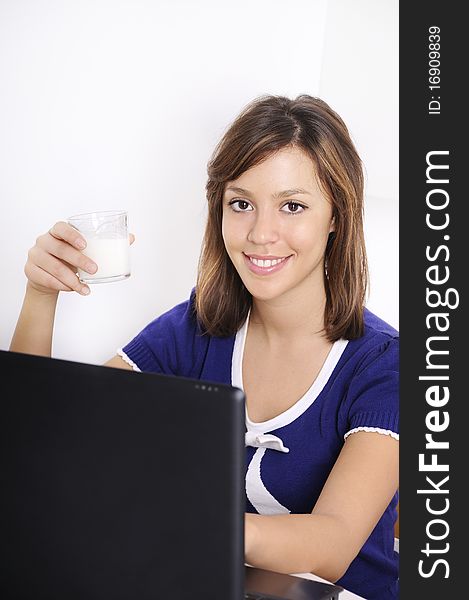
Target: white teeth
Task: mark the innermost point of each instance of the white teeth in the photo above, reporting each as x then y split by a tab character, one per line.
266	263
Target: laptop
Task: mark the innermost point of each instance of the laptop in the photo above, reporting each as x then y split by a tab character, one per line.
124	485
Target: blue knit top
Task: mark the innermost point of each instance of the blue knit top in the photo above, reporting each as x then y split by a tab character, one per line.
289	457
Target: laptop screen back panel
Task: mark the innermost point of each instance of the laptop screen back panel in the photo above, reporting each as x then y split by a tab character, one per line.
119	484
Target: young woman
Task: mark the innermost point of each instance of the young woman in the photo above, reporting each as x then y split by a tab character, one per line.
279	311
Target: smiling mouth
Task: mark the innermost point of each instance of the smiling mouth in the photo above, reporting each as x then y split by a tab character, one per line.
265	266
266	262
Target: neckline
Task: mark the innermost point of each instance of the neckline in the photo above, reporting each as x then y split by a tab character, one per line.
295	411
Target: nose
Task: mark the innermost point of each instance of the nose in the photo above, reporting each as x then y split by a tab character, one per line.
264	228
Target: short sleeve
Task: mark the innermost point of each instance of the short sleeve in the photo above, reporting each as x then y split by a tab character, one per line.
372	401
171	344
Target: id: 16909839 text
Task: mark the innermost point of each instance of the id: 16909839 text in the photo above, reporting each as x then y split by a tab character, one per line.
434	73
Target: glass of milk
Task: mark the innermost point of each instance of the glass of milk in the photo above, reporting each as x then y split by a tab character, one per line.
107	244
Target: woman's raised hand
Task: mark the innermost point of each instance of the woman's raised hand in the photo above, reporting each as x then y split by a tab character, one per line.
55	258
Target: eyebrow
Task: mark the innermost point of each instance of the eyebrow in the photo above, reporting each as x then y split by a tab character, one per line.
283	194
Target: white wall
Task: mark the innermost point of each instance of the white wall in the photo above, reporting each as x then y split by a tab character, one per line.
118	104
360	79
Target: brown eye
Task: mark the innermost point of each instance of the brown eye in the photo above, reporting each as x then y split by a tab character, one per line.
293	208
240	205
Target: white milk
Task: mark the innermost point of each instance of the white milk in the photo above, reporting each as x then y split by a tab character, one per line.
111	255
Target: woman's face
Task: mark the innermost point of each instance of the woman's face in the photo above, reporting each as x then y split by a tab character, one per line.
276	222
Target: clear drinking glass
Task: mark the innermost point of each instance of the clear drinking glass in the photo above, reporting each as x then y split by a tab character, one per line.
107	244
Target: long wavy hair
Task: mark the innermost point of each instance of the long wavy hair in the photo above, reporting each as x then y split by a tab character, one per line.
265	126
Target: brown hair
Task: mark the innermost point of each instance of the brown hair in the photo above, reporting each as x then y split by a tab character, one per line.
265	126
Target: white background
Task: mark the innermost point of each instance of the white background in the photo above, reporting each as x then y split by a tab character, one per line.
113	104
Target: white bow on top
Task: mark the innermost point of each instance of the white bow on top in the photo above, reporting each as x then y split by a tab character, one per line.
264	440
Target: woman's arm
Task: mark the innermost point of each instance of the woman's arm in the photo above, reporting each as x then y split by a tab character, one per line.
118	363
33	332
359	488
50	268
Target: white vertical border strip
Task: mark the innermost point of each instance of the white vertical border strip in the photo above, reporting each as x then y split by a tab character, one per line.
258	495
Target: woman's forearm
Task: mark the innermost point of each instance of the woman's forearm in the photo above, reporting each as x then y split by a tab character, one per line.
298	544
34	329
